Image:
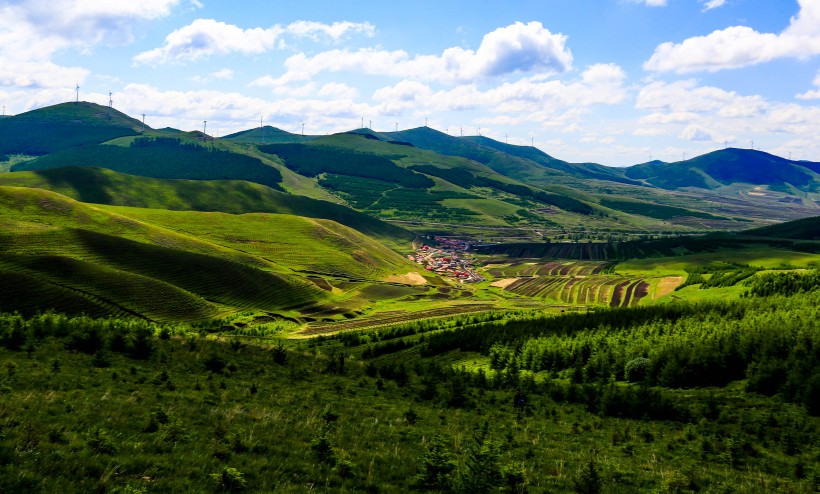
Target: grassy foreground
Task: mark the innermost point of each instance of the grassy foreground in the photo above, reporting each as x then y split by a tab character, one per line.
127	406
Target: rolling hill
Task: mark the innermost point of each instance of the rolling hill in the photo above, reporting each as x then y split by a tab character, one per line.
102	186
418	176
168	266
731	166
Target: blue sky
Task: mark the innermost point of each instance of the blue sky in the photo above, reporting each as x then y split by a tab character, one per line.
608	81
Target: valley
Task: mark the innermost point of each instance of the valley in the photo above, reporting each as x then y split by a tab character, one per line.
273	312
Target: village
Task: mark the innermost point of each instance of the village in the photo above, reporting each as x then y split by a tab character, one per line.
448	259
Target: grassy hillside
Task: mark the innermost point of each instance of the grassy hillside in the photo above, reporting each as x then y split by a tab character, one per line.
296	243
101	186
64	126
124	264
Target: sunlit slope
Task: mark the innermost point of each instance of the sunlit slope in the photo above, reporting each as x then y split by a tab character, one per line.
297	243
102	186
156	273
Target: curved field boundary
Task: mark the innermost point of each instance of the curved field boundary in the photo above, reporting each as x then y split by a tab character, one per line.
641	291
394	318
618	293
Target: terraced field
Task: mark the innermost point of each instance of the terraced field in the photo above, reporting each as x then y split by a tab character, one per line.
571	282
549	268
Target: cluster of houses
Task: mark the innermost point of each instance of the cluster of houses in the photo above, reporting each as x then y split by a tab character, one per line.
447	260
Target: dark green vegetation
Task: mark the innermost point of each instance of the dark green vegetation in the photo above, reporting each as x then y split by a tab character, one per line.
682	398
61	127
162	157
804	229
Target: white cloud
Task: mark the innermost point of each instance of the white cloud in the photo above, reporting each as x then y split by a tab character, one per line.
517	48
812	94
712	4
696	133
33	31
686	97
336	90
740	46
235	111
208	37
599	85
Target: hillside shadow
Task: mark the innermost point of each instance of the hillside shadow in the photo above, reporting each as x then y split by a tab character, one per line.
88	184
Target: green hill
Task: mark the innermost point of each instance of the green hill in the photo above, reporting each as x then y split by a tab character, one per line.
731	166
266	135
394	180
524	163
64	126
101	186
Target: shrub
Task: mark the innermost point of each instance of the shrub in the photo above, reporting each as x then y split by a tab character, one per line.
229	480
436	464
635	370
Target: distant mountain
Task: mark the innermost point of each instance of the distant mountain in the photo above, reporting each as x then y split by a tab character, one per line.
519	162
266	135
731	166
63	126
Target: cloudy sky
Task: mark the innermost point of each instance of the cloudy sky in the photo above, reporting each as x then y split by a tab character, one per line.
608	81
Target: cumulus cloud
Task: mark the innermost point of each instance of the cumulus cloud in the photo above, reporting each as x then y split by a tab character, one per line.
686	97
537	101
208	37
518	48
741	46
33	30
